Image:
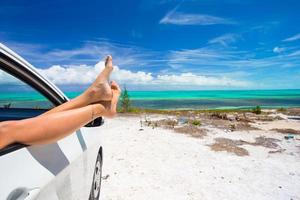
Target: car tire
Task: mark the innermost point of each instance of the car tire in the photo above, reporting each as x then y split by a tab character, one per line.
96	184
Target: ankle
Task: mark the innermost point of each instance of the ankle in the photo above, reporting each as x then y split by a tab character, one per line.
101	110
97	110
84	98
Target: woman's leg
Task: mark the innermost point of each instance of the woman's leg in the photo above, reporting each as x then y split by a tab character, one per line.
54	126
98	91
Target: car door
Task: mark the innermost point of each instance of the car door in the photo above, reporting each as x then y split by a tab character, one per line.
25	170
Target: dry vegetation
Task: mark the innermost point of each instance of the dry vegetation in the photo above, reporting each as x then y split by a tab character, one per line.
290	111
233	146
189	127
287	131
189	121
192	122
228	145
163	123
191	130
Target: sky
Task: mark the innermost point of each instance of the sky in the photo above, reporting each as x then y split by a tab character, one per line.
159	45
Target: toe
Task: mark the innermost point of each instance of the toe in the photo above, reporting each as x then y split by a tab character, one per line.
108	59
114	85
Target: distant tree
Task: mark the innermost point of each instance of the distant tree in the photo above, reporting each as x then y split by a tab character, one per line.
125	100
7	105
257	110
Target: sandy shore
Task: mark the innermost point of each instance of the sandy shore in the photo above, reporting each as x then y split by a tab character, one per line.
152	162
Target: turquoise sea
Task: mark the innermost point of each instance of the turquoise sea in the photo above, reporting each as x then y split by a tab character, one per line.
215	99
201	99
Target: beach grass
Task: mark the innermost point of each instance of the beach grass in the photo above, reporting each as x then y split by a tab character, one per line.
136	110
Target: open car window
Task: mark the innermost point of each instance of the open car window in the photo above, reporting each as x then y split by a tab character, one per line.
17	94
19	101
24	93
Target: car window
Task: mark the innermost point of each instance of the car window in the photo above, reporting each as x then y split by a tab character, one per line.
17	94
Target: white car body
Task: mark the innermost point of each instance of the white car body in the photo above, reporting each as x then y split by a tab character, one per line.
62	170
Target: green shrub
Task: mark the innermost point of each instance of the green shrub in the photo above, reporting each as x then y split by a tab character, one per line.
125	101
196	122
232	127
135	110
257	110
281	109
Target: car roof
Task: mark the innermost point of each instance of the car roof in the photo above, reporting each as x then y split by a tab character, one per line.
17	66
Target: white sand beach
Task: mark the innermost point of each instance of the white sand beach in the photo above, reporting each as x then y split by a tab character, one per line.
157	163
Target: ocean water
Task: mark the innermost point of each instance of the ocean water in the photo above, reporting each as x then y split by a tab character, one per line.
201	99
215	99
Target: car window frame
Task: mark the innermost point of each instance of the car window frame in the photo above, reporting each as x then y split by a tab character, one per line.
30	78
16	66
11	65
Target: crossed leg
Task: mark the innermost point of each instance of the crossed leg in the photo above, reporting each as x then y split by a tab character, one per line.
66	118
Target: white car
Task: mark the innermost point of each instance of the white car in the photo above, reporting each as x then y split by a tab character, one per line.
68	169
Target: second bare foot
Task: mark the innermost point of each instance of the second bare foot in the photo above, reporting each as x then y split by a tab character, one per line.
111	106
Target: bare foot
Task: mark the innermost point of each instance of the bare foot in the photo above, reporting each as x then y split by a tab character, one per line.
111	106
100	89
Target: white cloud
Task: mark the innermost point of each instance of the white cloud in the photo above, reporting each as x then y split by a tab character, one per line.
179	18
219	60
292	38
224	39
211	65
295	53
93	51
6	78
84	74
126	76
198	80
278	49
88	53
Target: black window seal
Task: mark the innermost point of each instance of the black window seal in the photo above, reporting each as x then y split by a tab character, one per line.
17	70
11	148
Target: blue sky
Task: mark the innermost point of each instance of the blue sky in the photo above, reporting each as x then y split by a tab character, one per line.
167	44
